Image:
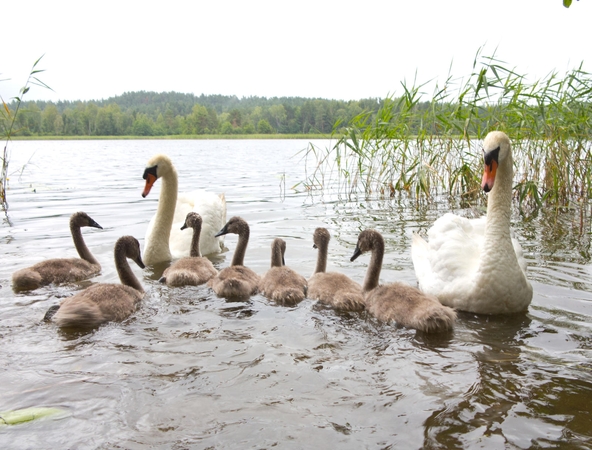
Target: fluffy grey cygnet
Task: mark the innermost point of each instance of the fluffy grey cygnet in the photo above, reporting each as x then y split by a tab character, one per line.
61	270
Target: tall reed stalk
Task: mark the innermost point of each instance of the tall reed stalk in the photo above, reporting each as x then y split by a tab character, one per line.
429	148
8	123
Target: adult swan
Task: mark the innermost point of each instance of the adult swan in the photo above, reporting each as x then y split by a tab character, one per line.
164	238
475	265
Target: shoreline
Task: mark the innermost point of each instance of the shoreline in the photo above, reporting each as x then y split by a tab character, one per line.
174	137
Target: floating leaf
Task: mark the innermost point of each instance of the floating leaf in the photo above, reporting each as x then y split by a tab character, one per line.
27	414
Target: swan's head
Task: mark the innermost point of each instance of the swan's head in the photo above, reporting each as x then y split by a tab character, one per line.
157	167
320	238
192	220
81	219
496	148
368	240
236	225
129	246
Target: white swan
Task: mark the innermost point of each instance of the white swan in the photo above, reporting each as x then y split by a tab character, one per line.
164	238
475	265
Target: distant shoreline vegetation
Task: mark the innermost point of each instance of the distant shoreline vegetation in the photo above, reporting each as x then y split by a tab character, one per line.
175	137
173	114
381	147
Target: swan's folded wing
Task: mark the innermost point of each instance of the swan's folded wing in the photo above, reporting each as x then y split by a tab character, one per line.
451	254
212	209
419	256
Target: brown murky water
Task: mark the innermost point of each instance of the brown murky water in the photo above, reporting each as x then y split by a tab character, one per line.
190	370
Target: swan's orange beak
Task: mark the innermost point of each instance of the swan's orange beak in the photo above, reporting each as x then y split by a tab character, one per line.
150	179
489	176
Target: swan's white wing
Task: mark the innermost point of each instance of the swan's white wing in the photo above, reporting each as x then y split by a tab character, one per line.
450	258
212	209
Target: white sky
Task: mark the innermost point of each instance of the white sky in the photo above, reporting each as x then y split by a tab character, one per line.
330	49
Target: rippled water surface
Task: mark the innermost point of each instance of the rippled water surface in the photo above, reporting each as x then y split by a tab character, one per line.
190	370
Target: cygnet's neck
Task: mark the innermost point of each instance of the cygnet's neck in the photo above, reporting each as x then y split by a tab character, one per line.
194	252
126	275
322	257
375	266
241	247
80	245
276	255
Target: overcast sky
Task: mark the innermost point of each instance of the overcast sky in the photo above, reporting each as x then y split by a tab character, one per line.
330	49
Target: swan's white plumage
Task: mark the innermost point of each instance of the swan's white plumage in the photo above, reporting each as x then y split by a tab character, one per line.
171	214
211	207
477	265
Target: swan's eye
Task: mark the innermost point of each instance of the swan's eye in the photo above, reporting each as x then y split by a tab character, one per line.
491	156
150	171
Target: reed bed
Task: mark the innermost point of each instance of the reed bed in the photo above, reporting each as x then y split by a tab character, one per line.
7	123
426	149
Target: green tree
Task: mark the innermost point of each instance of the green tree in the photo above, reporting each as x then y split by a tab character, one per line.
278	115
248	128
48	117
30	120
160	128
263	127
90	118
226	128
105	122
198	120
235	117
142	126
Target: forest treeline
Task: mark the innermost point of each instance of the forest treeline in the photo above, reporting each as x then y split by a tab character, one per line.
172	113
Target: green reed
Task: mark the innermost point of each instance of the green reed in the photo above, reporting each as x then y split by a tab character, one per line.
429	148
8	122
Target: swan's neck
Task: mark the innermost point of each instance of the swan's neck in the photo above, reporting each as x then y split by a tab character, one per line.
500	200
241	248
276	256
194	252
126	275
322	258
166	205
158	248
375	266
497	229
80	245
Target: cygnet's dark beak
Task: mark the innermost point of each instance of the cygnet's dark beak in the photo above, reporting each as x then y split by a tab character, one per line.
357	252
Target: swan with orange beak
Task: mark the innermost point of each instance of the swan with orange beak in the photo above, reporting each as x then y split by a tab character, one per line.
164	238
477	265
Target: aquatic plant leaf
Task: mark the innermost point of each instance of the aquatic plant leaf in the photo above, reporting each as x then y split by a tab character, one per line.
27	414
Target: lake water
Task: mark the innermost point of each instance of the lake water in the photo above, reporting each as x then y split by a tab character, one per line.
190	370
